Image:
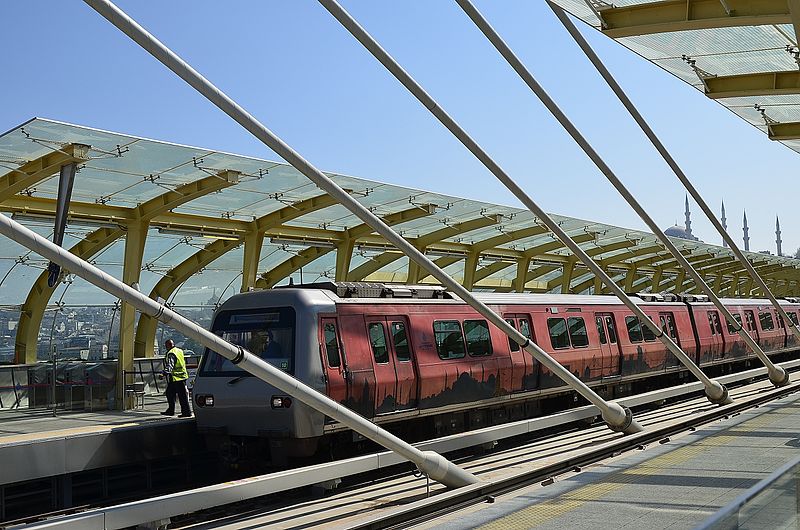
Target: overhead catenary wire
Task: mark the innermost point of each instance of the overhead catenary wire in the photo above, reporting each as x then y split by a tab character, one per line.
776	374
715	391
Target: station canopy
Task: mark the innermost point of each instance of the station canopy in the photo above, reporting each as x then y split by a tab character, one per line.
213	224
742	53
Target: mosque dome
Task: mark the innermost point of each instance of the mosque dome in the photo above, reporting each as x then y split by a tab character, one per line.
679	232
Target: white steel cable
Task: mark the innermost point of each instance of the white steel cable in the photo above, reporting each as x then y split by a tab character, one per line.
617	417
715	391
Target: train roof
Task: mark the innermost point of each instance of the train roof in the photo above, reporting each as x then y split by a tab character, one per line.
366	292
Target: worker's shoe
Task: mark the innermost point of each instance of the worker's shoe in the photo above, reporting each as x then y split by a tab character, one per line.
189	415
167	413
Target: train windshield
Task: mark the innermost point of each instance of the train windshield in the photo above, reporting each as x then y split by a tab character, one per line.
268	333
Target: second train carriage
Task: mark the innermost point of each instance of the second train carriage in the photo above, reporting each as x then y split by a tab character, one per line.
417	353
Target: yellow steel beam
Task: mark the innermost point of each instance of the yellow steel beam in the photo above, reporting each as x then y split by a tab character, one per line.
273	276
34	171
32	311
682	15
135	222
424	241
755	84
146	329
508	237
253	240
784	131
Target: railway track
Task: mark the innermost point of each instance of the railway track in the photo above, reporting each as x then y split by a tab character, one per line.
404	500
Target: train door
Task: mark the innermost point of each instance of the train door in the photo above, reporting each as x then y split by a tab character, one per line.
395	376
667	321
525	369
334	361
405	368
609	344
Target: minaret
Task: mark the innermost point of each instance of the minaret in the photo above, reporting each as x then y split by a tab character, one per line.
746	232
688	215
724	224
778	234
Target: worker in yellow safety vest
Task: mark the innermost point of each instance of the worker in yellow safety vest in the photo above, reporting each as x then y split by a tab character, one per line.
176	375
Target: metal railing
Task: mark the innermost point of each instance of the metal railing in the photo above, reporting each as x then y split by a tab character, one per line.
78	385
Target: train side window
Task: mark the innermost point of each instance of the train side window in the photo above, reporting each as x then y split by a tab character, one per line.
634	329
711	323
558	333
648	334
601	330
479	342
793	317
668	325
751	320
612	330
377	338
332	345
780	320
525	327
449	339
738	318
400	340
766	321
577	332
511	344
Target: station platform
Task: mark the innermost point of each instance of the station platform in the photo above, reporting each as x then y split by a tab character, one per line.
35	444
36	424
678	484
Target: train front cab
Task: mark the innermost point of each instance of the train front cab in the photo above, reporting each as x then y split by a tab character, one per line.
239	410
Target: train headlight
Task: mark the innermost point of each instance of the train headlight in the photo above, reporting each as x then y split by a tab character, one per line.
281	402
204	400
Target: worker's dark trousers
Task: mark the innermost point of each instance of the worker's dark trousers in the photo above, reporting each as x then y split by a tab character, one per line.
178	388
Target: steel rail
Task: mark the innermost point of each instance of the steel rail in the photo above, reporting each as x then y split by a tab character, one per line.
777	375
662	150
448	502
166	506
715	391
616	416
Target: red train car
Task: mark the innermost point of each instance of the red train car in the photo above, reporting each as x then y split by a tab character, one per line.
399	354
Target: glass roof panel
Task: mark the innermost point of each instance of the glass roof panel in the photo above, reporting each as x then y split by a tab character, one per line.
722	51
125	171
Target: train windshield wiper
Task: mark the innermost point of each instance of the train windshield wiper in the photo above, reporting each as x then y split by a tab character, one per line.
236	380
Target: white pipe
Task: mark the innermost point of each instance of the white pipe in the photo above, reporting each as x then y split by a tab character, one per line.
651	135
716	392
433	464
777	375
614	414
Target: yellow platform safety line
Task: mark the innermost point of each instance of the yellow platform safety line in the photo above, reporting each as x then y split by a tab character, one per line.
543	512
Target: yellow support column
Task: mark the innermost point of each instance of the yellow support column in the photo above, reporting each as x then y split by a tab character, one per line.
522	274
132	267
253	242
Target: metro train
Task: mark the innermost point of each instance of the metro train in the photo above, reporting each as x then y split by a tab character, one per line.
420	360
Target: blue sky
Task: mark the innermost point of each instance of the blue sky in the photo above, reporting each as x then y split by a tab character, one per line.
293	67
